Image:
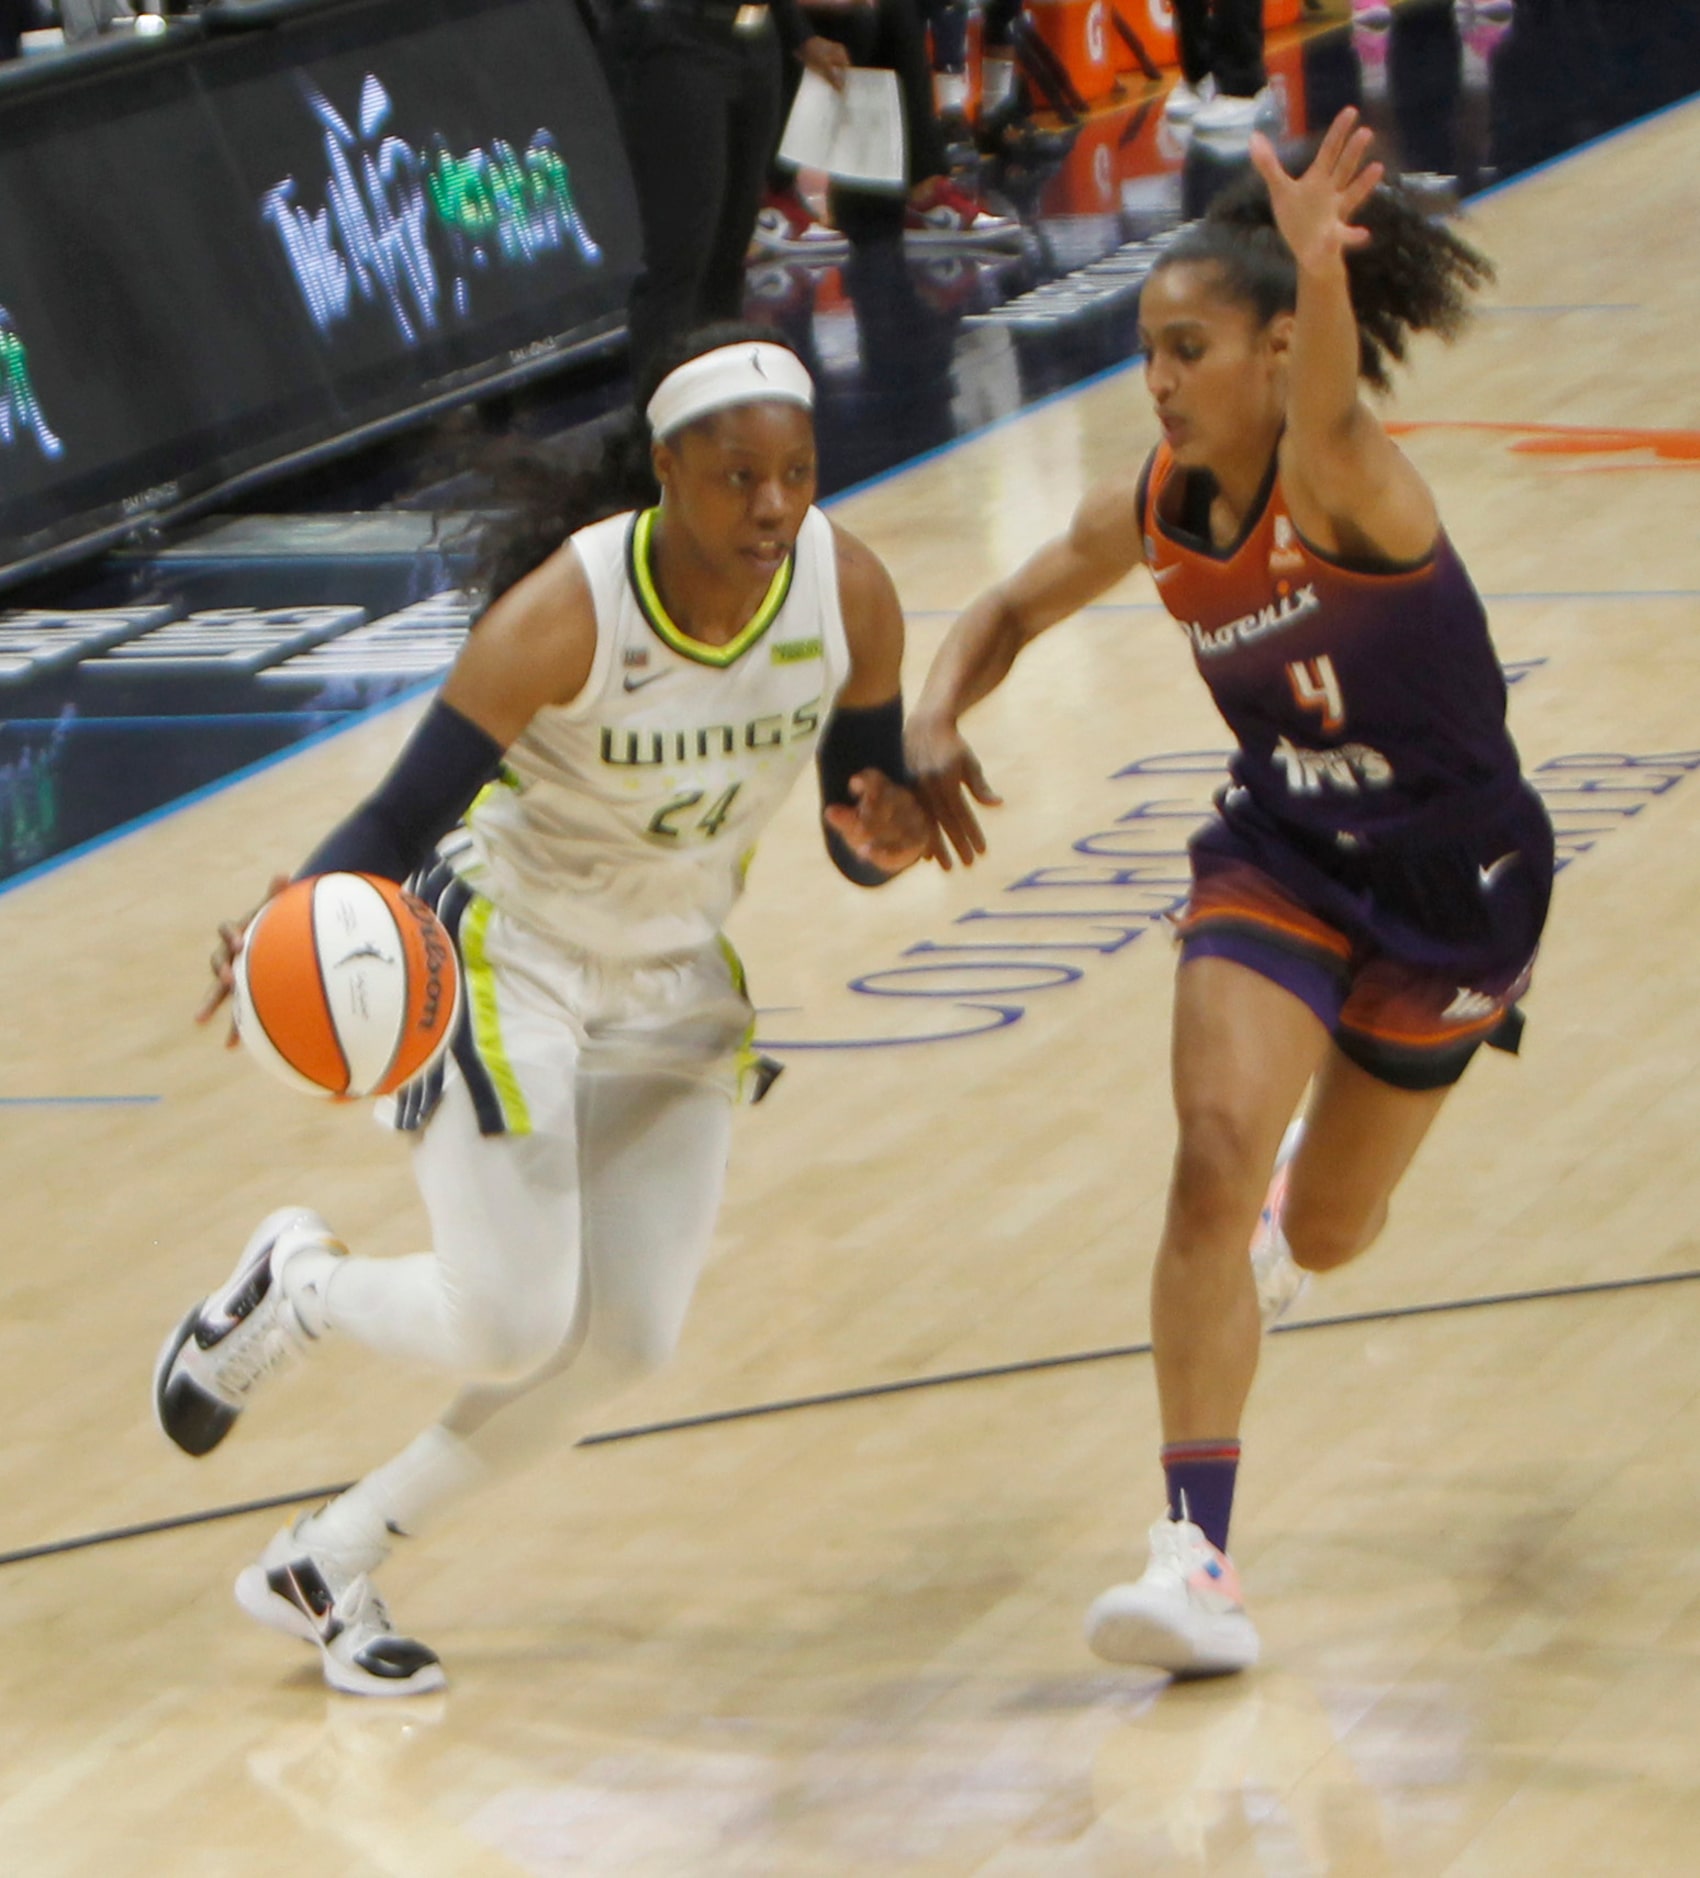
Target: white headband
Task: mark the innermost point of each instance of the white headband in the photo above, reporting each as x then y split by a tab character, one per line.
740	374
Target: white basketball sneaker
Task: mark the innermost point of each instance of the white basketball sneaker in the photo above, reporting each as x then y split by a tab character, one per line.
234	1339
1281	1281
1228	115
1184	1615
300	1592
1182	104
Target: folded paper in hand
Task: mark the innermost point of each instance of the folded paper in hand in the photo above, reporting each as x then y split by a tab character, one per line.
855	134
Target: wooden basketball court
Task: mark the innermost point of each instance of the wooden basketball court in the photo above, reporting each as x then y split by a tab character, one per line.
845	1638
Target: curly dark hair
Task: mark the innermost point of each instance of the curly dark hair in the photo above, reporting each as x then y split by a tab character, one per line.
1413	275
545	495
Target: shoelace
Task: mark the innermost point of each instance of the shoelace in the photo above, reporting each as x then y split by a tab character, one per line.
256	1356
1170	1551
361	1609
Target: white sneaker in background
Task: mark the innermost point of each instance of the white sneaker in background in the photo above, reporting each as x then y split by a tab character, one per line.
1228	116
1181	105
1184	1615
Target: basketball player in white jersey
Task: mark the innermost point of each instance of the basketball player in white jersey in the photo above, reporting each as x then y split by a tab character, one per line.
621	723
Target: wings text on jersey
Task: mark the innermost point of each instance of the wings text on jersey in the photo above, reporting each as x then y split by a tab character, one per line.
642	749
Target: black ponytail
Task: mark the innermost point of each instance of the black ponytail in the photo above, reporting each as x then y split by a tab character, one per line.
546	495
1413	275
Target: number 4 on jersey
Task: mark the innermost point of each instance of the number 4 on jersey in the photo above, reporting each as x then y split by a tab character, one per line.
1317	688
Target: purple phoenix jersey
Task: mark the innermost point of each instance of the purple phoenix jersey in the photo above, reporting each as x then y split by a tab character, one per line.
1369	710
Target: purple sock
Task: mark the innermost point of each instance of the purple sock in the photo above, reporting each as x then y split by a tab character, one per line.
1201	1485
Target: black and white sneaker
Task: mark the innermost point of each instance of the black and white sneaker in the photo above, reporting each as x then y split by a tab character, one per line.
234	1339
293	1589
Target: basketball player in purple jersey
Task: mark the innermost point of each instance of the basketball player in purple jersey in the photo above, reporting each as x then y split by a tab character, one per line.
1367	900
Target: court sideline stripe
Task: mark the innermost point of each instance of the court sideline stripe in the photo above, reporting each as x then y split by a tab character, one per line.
869	1392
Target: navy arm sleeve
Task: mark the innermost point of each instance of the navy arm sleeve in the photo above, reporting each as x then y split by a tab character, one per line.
855	739
445	763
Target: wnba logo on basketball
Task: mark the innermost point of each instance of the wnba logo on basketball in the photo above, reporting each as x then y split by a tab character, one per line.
1097	47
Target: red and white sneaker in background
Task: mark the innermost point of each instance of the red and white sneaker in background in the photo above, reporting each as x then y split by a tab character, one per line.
941	209
1185	1614
785	225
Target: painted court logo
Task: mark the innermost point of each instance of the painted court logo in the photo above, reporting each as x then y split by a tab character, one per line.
1592	446
410	229
21	414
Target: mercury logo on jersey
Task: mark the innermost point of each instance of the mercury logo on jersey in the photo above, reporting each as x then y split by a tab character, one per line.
646	749
1348	770
1212	641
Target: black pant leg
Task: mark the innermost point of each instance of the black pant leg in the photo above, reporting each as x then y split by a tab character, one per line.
1237	50
752	134
673	88
998	21
901	46
1194	38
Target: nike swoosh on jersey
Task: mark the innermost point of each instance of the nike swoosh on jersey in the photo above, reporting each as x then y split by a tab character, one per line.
637	684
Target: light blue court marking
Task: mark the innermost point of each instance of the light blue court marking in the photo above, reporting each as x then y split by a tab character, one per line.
217	787
985	430
208	720
1580	149
79	1102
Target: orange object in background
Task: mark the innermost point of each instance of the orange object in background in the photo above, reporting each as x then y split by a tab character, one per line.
1154	22
1121	154
1110	147
1286	68
1080	34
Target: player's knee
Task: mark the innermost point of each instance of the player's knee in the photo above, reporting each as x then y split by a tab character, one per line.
1220	1165
631	1345
506	1341
1323	1237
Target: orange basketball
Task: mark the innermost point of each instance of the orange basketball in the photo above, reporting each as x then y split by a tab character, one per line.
346	985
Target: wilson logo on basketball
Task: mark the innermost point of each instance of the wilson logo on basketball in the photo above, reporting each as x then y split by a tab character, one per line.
346	985
438	960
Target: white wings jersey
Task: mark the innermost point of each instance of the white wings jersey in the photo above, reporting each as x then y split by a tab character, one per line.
625	821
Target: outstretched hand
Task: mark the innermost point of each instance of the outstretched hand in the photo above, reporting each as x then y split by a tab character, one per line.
231	934
948	779
1314	210
886	826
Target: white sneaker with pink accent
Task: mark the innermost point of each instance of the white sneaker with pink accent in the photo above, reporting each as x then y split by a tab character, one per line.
1184	1615
1281	1281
